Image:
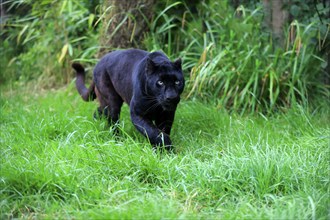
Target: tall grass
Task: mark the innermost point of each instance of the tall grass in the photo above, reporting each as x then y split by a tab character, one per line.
229	57
252	78
39	39
57	162
232	60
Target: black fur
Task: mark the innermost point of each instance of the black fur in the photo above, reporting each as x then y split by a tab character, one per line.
148	82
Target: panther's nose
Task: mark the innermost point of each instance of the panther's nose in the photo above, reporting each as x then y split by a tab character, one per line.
170	97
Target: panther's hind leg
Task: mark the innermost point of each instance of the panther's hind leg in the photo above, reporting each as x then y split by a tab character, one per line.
110	102
98	113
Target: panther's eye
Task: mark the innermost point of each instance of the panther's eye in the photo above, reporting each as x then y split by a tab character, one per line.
160	83
177	82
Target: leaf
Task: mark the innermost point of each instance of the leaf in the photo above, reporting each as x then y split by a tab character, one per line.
70	49
31	35
21	33
104	13
90	20
63	53
63	6
78	39
12	61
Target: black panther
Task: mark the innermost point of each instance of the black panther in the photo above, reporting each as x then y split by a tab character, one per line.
148	82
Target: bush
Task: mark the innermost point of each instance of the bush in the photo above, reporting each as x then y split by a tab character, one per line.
229	57
46	36
232	59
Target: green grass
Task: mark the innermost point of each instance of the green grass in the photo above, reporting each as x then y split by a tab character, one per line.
57	162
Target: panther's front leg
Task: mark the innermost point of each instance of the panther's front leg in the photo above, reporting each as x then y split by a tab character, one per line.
164	121
156	136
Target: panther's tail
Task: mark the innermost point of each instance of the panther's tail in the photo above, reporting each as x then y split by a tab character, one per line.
86	94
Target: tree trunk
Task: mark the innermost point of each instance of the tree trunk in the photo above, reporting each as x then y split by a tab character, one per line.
275	18
267	13
279	18
124	23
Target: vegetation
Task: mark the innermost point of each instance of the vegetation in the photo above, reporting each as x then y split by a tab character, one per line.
230	58
40	44
258	149
234	62
57	162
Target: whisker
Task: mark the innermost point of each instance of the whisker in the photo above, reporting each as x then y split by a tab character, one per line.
153	106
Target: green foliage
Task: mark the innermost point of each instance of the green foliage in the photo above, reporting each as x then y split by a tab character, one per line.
232	59
243	73
229	57
47	35
57	162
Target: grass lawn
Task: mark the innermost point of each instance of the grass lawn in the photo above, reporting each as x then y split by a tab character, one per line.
57	162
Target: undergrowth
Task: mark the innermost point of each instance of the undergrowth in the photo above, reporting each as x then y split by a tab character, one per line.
230	58
57	162
39	40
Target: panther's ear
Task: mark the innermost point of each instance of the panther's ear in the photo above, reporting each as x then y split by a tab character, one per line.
177	63
150	66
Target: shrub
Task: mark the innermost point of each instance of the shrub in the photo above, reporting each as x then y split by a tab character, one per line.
46	35
232	59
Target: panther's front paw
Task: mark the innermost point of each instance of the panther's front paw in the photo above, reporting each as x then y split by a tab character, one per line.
163	141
